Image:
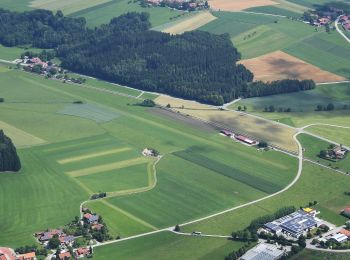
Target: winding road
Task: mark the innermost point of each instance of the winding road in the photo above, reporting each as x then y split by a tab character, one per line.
336	23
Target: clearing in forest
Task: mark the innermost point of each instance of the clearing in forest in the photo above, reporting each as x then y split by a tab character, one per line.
189	24
280	65
238	5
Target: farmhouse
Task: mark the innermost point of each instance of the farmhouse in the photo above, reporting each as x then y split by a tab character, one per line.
339	238
82	252
245	139
27	256
47	235
66	240
346	212
294	224
64	256
7	254
97	226
91	218
264	251
345	232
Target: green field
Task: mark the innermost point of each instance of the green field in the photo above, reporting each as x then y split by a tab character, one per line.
337	134
303	105
313	146
235	23
15	5
166	245
105	12
88	156
316	183
316	255
305	101
275	10
13	53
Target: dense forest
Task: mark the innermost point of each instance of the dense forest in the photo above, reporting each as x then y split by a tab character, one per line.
9	160
195	65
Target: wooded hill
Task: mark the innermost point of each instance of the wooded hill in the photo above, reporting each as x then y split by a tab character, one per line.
9	160
195	65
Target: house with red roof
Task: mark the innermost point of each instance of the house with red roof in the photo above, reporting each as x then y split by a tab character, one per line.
7	253
81	252
64	256
27	256
346	212
91	218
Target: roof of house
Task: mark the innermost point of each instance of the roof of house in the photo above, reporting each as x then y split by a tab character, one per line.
66	239
97	226
244	139
339	237
347	210
82	251
90	217
308	210
27	256
63	255
345	232
7	253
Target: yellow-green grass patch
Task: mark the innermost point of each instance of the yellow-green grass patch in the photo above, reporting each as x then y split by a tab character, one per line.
19	137
124	179
107	167
93	155
67	6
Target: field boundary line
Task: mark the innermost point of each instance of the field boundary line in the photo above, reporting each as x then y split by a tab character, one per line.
93	155
128	214
106	167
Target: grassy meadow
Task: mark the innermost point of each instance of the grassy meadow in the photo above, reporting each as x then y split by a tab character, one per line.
316	183
166	245
313	146
88	156
303	105
103	13
337	134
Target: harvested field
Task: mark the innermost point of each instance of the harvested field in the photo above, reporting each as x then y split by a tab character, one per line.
107	167
276	134
189	24
19	137
280	65
238	5
93	155
67	6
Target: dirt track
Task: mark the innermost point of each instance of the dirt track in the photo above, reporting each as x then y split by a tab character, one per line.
280	65
238	5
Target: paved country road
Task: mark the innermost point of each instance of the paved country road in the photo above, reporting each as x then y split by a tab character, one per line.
339	30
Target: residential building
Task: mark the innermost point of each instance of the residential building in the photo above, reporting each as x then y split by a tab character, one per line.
91	218
27	256
340	238
64	256
346	212
7	253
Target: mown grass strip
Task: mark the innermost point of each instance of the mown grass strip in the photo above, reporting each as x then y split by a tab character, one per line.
106	167
253	181
93	155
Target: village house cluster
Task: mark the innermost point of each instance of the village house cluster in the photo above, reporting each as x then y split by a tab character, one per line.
334	152
190	5
345	22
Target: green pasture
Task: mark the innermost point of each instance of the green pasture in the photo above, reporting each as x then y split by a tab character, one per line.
235	23
304	101
166	245
93	112
312	3
103	13
178	187
130	177
275	9
15	5
12	53
307	254
316	183
36	198
271	37
328	51
313	146
337	134
119	223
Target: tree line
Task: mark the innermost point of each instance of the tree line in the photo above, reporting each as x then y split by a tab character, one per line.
9	160
195	65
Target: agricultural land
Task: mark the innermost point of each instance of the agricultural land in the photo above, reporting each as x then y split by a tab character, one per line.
214	169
